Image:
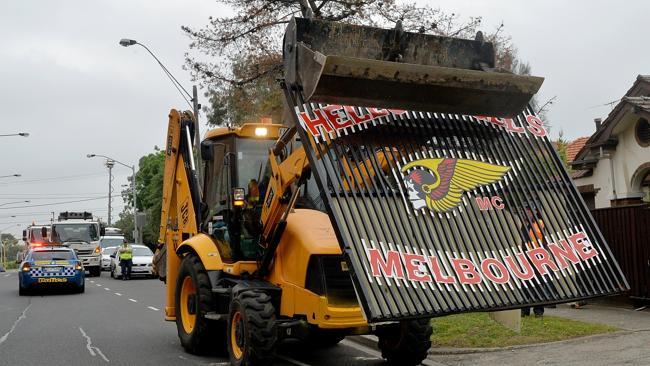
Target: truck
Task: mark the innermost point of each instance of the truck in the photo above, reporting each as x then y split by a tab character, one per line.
33	237
410	179
81	232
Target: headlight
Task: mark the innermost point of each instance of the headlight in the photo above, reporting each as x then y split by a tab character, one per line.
98	249
26	267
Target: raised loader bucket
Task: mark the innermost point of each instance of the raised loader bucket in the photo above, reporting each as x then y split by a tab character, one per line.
346	64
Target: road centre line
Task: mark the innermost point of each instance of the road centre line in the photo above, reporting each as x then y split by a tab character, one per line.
153	308
118	294
133	300
107	289
13	327
98	284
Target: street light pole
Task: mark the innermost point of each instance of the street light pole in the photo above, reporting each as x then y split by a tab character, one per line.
134	192
110	164
196	107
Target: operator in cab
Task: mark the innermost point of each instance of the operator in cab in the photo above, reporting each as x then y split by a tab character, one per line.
125	254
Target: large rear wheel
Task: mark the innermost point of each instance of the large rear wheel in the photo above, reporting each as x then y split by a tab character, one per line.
406	344
252	333
193	300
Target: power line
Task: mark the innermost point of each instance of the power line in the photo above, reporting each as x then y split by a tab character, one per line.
53	204
62	178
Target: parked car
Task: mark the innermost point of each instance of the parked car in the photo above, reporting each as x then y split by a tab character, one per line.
106	258
142	262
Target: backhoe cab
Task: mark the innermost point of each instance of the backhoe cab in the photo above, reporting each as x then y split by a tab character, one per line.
410	181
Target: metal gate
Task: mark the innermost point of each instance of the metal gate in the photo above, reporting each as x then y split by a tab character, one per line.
439	213
627	230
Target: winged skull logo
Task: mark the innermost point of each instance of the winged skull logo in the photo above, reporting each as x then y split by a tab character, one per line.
439	183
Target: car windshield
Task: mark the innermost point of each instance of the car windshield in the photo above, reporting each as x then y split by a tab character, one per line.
111	242
74	232
142	252
109	251
35	235
52	255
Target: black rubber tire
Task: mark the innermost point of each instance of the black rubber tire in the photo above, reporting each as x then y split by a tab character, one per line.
407	343
112	273
22	291
259	327
94	271
81	289
207	334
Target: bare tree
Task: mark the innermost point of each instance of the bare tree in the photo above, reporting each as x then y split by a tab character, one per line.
237	59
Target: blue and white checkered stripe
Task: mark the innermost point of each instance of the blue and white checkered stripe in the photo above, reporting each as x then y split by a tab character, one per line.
67	271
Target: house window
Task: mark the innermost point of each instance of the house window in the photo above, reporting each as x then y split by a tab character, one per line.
642	132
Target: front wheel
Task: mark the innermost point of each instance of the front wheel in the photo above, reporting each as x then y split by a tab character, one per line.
252	332
193	299
94	271
406	344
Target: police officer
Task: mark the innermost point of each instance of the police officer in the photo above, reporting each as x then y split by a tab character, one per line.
125	253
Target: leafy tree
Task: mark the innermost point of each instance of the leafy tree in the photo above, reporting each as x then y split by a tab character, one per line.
238	58
12	246
126	224
561	145
148	183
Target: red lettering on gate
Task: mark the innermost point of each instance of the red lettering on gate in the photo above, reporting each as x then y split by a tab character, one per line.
527	271
312	124
337	116
438	276
535	126
466	271
487	271
541	260
392	267
489	203
414	264
585	251
562	251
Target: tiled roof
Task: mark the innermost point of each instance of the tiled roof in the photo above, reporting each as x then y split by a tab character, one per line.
642	103
574	147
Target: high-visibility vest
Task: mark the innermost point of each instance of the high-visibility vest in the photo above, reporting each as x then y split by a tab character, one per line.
126	253
535	234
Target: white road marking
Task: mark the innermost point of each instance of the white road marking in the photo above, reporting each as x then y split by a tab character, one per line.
92	349
8	274
13	327
118	294
98	285
107	289
91	281
133	300
152	308
359	347
291	360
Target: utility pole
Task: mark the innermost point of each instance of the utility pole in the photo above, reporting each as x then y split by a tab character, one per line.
197	135
110	164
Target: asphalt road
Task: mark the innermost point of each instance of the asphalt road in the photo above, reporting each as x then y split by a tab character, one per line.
119	323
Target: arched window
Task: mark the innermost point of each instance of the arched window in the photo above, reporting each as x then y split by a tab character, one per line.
642	132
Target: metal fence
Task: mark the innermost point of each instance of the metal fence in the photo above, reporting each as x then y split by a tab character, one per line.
627	230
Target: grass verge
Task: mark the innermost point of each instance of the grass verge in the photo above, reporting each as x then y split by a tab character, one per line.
477	330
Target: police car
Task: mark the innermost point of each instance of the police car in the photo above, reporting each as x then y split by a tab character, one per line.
51	266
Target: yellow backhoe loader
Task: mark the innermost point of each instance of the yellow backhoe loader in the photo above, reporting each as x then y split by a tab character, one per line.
410	180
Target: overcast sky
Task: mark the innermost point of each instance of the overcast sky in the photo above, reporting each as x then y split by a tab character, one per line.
66	81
